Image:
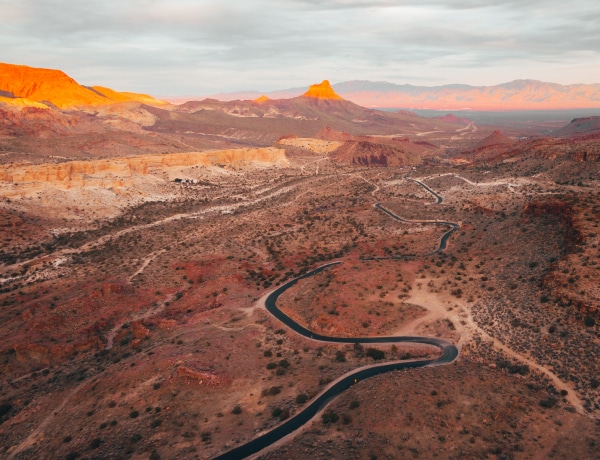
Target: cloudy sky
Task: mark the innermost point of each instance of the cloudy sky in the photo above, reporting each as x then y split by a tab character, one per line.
197	47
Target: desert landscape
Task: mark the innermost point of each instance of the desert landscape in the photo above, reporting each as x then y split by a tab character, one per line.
146	246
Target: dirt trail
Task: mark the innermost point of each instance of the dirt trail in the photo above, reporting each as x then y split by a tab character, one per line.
224	209
434	302
30	440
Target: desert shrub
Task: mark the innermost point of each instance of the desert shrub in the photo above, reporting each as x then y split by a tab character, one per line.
236	410
271	365
375	354
156	423
134	414
548	402
95	443
301	398
330	417
521	369
457	292
354	404
590	321
271	391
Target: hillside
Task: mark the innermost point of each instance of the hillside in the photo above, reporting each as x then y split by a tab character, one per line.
586	125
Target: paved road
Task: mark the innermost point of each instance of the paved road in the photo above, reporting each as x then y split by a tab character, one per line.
443	240
449	354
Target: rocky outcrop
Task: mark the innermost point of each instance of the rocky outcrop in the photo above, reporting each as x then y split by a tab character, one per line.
370	154
200	377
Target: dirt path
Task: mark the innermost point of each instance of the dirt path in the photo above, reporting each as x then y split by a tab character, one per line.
66	253
437	304
30	440
140	316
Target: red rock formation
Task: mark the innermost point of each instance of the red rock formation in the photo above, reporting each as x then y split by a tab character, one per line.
370	154
493	140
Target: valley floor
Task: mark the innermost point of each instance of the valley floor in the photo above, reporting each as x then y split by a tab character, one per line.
139	332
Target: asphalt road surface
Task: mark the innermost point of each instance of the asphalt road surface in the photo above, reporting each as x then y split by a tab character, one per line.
449	354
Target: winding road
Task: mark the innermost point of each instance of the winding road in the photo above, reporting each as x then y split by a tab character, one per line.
449	354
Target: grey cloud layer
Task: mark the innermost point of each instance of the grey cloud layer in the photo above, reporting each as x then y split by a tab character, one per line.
225	45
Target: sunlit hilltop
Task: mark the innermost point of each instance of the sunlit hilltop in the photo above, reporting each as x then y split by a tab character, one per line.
29	86
322	90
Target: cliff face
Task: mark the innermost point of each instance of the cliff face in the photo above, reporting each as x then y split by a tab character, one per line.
81	173
84	191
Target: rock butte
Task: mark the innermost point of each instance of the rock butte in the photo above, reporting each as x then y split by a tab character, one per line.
31	86
322	90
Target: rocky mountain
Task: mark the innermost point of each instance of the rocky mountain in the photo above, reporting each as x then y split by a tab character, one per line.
266	120
515	95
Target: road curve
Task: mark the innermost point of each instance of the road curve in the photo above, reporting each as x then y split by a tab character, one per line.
443	240
449	354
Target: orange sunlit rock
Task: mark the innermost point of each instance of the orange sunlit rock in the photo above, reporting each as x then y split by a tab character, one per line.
322	90
262	99
46	85
119	96
34	87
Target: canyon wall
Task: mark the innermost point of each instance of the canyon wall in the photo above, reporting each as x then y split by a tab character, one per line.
76	173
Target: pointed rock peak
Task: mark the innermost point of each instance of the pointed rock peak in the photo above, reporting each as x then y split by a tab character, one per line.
496	138
322	90
262	99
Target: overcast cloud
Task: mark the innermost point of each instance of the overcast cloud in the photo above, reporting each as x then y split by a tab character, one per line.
195	47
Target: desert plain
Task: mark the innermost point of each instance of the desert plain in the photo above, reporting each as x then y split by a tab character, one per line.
140	240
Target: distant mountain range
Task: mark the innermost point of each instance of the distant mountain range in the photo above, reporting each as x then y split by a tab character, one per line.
515	95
